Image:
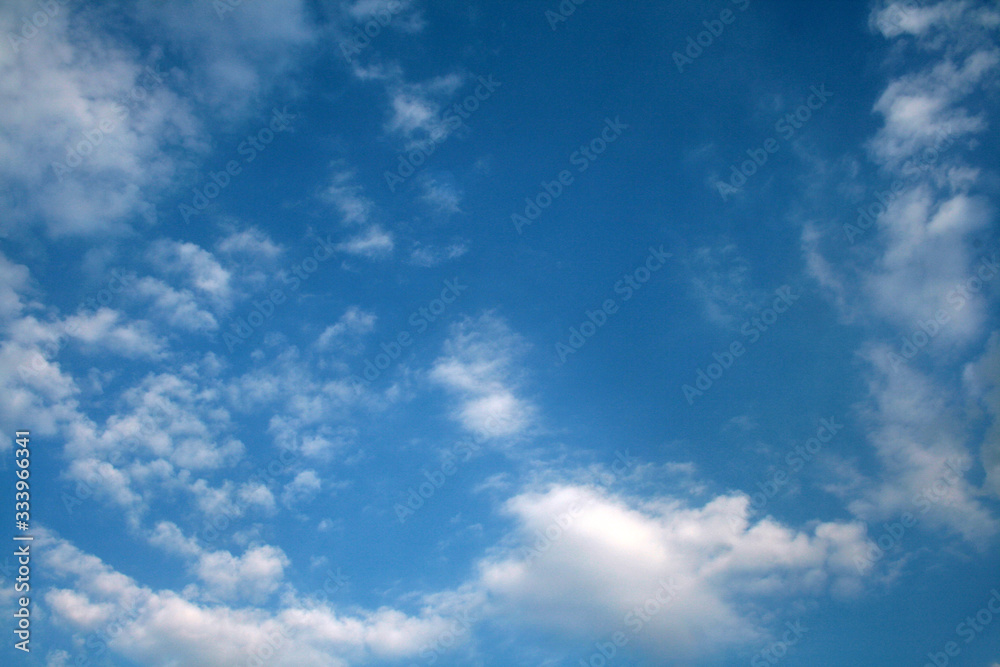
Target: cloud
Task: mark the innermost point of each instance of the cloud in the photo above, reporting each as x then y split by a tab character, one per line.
198	266
983	387
919	440
353	324
583	561
105	330
354	208
430	256
89	131
477	366
374	244
235	58
720	280
177	308
162	628
920	108
441	194
302	489
253	576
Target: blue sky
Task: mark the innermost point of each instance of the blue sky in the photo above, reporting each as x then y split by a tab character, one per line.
528	333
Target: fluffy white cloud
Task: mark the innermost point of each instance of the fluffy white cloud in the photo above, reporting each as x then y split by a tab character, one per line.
586	563
163	628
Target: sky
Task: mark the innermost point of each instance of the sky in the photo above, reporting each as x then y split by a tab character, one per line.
548	333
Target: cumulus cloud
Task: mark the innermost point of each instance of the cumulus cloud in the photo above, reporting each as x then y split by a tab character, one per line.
586	562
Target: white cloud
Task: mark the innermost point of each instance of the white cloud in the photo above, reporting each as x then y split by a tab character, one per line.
441	195
478	367
177	308
354	208
920	108
427	256
373	244
239	57
351	325
198	267
920	442
583	560
162	628
72	96
302	489
107	330
981	381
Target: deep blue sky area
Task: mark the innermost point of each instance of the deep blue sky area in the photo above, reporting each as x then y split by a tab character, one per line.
534	333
